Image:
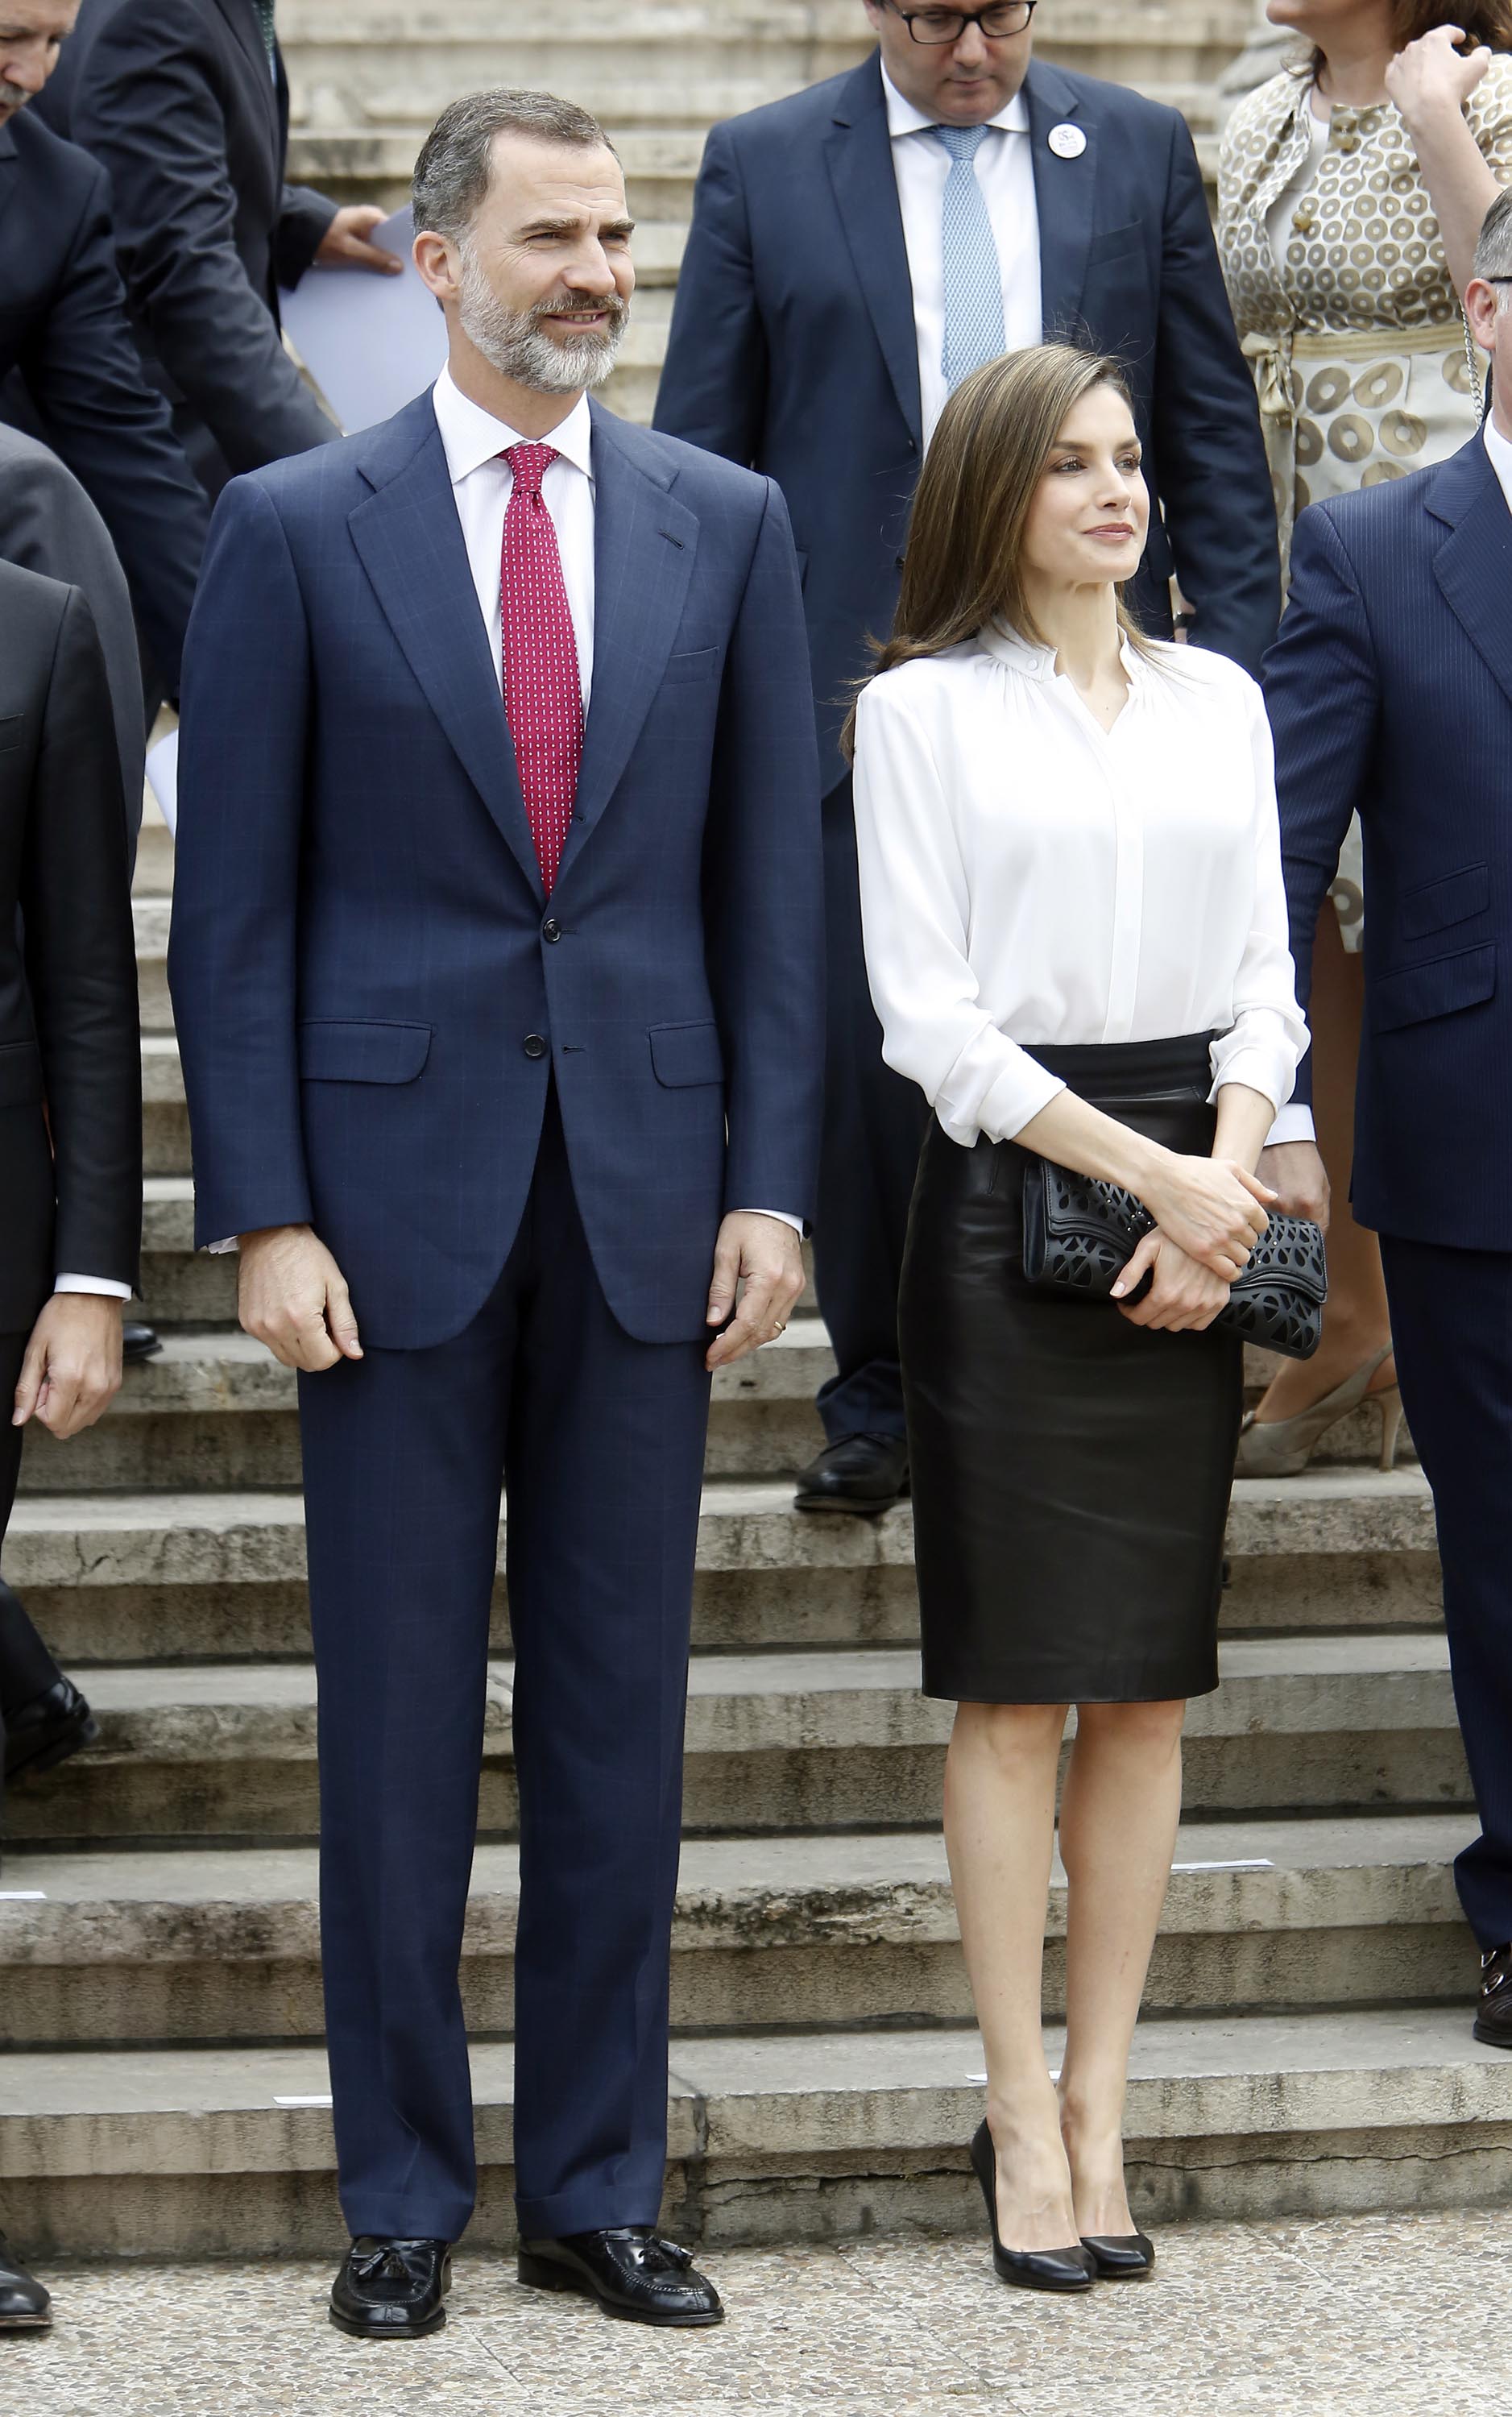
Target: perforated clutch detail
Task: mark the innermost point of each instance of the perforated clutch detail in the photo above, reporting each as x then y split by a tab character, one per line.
1080	1232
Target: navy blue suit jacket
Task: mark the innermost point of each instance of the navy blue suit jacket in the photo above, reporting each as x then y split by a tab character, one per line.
64	331
1390	692
792	348
363	965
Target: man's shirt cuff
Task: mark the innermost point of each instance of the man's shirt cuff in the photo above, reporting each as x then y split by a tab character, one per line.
106	1286
1293	1123
782	1216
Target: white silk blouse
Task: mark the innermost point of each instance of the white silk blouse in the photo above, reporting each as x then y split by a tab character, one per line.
1027	876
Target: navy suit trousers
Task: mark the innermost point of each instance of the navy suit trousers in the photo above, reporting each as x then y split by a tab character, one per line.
599	1440
1451	1321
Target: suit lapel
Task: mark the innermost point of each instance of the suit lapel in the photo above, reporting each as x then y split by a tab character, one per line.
9	178
645	546
241	17
410	542
1064	191
858	153
1474	565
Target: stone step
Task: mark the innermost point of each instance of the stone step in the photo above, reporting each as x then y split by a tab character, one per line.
698	59
150	915
222	1945
202	1576
775	1741
776	2139
165	1128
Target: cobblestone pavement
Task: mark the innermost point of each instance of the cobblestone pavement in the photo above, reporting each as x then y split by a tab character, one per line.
1408	2316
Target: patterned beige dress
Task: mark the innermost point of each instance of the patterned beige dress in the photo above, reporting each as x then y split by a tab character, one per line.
1359	345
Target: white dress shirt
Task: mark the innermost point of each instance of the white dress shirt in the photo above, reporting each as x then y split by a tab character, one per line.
1028	876
481	486
1005	172
1500	449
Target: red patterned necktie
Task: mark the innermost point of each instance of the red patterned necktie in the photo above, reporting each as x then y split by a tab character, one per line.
542	689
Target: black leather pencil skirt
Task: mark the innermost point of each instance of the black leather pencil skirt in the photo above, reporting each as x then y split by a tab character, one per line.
1071	1471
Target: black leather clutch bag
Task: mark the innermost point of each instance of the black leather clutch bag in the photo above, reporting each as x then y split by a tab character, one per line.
1078	1233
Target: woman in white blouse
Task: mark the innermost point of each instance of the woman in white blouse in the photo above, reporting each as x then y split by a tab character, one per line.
1076	935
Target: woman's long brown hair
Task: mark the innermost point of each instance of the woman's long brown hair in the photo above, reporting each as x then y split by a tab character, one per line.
1480	21
963	567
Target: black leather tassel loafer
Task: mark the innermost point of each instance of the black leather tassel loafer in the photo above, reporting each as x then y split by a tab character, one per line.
1120	2257
392	2290
1493	2015
46	1731
629	2270
1037	2270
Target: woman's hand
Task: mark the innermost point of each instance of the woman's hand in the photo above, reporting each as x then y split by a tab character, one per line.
1184	1297
1431	78
1212	1209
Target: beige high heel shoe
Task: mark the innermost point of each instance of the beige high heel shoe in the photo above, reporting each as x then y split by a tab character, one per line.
1283	1447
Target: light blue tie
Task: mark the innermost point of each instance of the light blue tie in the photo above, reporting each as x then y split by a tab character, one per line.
973	331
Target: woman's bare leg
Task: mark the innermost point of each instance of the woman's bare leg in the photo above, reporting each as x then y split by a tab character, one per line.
1000	1829
1119	1811
1356	1322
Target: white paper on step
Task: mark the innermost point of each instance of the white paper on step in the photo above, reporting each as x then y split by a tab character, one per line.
304	2101
162	779
370	342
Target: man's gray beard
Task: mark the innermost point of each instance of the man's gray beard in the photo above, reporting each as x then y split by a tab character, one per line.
12	96
516	344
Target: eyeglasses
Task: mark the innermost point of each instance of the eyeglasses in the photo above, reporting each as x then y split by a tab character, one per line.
938	27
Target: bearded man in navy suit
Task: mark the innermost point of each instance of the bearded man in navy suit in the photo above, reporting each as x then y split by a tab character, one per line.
857	250
495	952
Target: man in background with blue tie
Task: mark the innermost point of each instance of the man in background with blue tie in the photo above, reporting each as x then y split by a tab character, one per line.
857	251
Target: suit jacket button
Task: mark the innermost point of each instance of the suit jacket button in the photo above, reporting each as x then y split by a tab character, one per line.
550	929
534	1045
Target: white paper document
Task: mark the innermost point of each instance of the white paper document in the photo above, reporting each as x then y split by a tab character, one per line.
370	342
162	778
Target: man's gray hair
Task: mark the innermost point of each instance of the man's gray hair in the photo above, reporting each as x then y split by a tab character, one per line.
452	173
1494	252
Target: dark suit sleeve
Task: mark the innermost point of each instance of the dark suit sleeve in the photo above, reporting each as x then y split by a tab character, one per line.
764	887
1323	695
713	389
1214	479
304	218
81	962
145	106
231	954
84	378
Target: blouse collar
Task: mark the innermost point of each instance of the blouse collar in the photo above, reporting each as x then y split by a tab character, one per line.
1038	662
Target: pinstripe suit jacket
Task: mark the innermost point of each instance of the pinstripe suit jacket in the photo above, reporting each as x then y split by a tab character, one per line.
374	995
1390	692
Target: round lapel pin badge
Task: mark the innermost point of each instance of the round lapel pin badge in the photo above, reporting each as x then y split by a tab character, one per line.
1067	141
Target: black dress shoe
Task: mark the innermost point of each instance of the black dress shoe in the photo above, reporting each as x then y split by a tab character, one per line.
392	2290
864	1474
629	2270
1037	2270
138	1342
25	2307
1493	2015
48	1729
1120	2257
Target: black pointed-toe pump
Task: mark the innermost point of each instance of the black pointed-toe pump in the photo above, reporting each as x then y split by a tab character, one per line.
1036	2270
1120	2257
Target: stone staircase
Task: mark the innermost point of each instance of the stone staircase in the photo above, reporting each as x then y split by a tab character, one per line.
164	2088
367	82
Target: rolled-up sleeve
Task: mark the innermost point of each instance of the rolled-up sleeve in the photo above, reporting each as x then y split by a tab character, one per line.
914	921
1268	1038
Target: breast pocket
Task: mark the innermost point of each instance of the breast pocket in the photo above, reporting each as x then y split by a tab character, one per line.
700	664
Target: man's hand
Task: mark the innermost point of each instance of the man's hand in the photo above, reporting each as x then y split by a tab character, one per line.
72	1368
292	1296
765	1257
1297	1174
344	243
